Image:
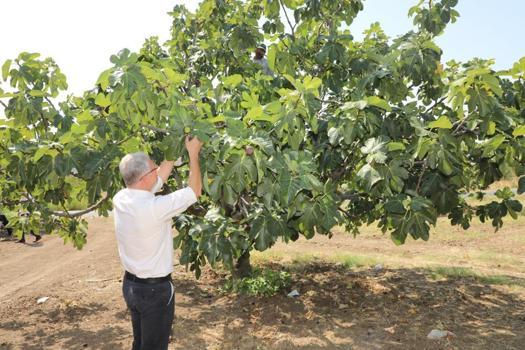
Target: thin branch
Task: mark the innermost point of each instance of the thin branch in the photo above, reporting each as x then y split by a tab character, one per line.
125	139
347	214
177	178
3	104
243	205
288	19
67	214
421	176
45	123
352	196
435	104
8	203
65	210
51	104
459	125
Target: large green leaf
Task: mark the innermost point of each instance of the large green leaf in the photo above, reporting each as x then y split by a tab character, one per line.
233	80
442	123
369	176
262	231
521	185
519	131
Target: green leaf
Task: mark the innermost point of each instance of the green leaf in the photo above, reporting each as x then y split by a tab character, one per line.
355	104
368	101
174	77
254	113
395	146
312	83
398	237
444	164
493	84
491	130
5	69
63	165
103	79
519	131
442	123
378	102
261	230
333	136
272	52
37	93
102	100
369	175
375	149
521	185
232	80
291	185
150	73
492	145
43	151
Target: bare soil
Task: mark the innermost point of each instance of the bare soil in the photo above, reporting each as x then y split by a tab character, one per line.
393	306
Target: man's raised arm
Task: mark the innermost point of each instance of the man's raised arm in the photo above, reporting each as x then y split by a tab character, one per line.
195	179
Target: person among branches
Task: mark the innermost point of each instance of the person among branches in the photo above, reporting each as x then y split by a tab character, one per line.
37	236
3	224
259	59
143	227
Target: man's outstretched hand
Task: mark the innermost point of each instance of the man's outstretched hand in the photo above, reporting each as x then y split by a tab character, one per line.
193	145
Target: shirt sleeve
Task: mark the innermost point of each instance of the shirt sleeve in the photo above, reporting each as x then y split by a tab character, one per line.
168	206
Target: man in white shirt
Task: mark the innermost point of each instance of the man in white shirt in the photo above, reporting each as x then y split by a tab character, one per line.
145	244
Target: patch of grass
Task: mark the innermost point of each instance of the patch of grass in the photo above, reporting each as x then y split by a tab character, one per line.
463	272
300	262
350	261
304	259
262	282
498	258
266	256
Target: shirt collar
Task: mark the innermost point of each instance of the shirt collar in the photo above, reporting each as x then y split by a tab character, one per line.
139	193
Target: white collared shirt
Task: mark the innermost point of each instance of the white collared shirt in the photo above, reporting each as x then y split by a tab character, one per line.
143	229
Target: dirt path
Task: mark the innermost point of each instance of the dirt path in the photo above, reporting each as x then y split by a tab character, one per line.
338	308
37	266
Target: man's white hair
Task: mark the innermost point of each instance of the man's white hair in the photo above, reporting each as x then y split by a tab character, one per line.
133	166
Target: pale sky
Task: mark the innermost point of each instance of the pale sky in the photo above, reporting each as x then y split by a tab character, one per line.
82	35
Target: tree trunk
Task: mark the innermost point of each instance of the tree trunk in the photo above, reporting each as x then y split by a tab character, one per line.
243	268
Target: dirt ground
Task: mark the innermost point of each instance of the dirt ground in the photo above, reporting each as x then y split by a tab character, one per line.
346	301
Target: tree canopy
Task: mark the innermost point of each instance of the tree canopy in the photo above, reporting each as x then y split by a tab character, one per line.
345	133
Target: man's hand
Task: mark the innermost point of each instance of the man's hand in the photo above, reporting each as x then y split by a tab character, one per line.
193	145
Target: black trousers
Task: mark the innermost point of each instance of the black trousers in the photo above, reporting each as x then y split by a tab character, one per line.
152	308
4	222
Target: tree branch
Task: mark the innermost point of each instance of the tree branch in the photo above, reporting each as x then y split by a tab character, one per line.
177	177
347	214
421	176
67	214
351	196
292	28
435	104
51	104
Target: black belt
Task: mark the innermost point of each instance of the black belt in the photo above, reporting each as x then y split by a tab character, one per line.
152	280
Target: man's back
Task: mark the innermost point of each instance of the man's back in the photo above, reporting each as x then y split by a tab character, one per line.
143	229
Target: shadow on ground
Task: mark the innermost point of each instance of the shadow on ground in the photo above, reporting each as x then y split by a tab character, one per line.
71	335
342	309
337	308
